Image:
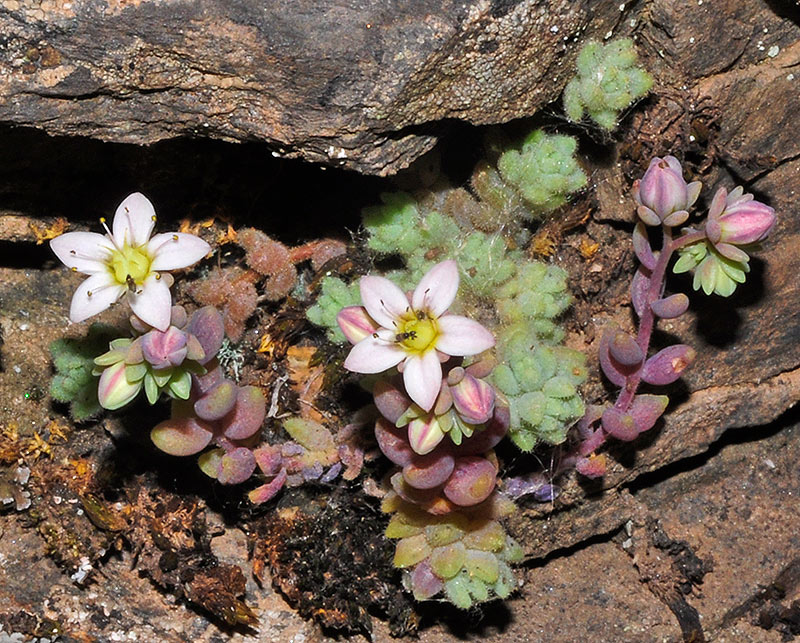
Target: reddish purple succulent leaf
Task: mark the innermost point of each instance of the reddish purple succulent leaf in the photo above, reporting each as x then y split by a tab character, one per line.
471	482
639	289
424	583
181	435
206	325
591	467
488	438
646	409
217	402
267	491
614	371
624	350
236	466
641	246
621	425
247	415
393	442
667	365
269	459
670	307
409	493
429	471
201	384
390	399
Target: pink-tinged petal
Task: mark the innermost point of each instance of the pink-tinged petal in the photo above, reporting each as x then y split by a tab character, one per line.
86	252
384	301
422	377
461	336
437	289
373	355
424	434
693	191
134	221
173	250
152	303
93	296
356	324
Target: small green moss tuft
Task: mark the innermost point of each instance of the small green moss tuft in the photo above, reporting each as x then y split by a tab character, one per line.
544	170
334	295
74	381
608	81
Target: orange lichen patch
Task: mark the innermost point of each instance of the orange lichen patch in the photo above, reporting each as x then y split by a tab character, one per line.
37	446
45	232
267	345
588	249
306	380
10	446
544	244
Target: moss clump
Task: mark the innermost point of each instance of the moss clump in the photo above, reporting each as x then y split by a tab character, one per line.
543	170
334	295
74	381
608	81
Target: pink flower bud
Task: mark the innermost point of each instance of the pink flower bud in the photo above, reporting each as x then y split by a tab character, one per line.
424	433
163	349
662	191
356	324
473	399
738	219
114	390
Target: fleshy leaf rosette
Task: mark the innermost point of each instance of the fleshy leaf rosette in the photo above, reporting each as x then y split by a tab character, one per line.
158	361
217	411
464	555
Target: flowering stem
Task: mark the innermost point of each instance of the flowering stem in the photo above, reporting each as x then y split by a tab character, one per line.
647	319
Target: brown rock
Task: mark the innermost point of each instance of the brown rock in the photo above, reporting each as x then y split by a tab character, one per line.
355	85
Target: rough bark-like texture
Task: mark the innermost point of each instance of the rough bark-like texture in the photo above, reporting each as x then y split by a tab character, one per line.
355	84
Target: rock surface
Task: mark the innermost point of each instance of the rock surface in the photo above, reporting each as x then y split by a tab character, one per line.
362	85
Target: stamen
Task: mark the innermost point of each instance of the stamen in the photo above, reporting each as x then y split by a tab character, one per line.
153	218
174	237
74	269
158	276
108	233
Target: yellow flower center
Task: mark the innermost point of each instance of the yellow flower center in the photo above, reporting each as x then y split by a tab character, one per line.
418	333
130	265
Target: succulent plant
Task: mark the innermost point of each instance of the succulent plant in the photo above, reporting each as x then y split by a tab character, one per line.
607	82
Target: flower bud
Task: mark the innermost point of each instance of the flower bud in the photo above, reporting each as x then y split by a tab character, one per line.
114	390
662	191
738	219
473	399
424	433
355	323
163	349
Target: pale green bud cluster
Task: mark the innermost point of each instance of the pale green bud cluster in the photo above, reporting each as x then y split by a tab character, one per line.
608	81
544	170
334	295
